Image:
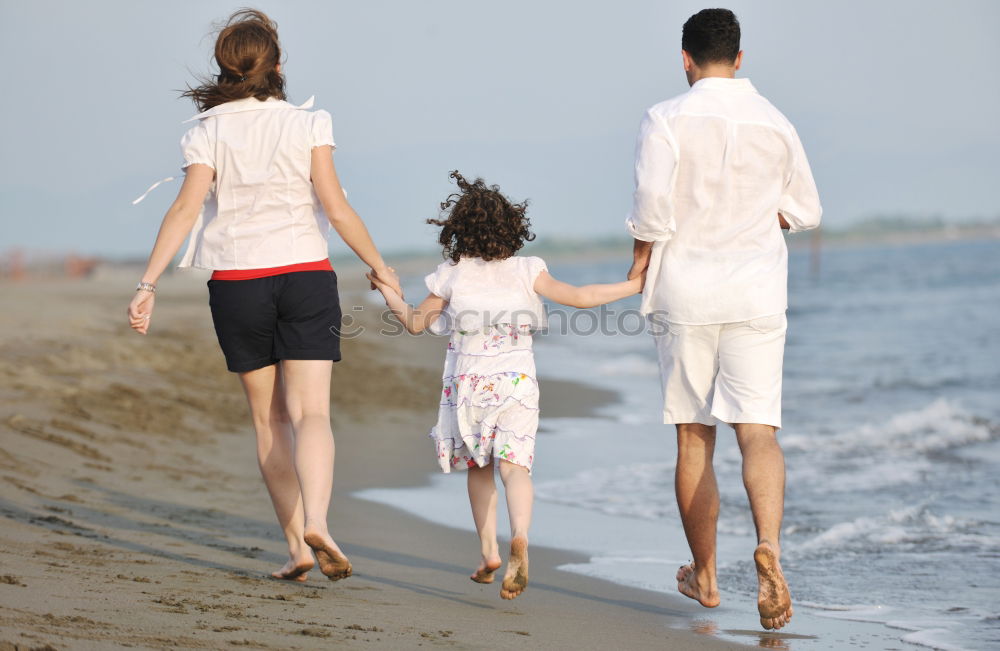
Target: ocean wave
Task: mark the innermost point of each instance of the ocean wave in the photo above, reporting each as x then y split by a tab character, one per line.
941	425
900	530
934	638
643	490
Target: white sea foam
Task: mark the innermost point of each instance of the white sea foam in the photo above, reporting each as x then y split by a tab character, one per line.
912	525
858	613
642	490
941	425
934	638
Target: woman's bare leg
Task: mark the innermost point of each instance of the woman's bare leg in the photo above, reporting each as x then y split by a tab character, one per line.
520	495
307	397
483	498
275	456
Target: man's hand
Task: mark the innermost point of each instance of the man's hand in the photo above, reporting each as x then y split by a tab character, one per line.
781	221
640	258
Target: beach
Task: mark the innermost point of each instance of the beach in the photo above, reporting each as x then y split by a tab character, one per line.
133	514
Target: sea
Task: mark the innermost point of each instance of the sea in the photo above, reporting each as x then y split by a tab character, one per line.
891	535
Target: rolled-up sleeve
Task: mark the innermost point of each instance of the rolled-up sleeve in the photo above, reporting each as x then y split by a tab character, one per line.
651	218
799	203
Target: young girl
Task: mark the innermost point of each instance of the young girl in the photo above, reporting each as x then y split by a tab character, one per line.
266	168
488	299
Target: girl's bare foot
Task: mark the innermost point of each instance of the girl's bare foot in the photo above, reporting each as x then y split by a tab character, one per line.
774	602
295	569
486	570
516	578
697	586
332	561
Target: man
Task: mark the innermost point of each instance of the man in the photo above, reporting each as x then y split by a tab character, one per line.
719	172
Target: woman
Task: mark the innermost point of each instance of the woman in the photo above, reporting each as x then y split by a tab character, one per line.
264	171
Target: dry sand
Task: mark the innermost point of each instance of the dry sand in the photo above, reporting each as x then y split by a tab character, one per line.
132	513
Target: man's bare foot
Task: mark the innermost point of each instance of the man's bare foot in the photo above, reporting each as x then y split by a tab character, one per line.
516	578
332	561
295	569
774	602
697	586
486	570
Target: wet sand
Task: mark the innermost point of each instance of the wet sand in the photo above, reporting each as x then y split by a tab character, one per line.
132	512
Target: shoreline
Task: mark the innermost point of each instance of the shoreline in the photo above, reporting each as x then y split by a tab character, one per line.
135	516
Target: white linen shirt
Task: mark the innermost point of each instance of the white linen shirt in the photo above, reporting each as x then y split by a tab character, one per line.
713	169
262	210
481	294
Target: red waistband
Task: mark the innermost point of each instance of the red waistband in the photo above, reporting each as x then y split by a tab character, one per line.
250	274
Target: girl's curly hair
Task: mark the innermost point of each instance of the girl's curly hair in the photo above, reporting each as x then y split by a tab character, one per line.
479	222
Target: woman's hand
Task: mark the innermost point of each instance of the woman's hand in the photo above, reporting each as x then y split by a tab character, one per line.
377	283
387	276
140	311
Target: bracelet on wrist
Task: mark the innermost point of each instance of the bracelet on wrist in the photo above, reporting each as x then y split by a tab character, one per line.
147	287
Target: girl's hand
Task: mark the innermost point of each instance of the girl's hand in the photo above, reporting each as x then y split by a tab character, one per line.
140	311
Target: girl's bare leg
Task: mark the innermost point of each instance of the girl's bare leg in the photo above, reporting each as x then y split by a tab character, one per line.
483	498
307	397
275	456
520	494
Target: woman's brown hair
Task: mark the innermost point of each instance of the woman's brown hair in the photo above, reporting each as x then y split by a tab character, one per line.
479	222
247	52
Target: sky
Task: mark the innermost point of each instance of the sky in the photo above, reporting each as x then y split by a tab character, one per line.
896	102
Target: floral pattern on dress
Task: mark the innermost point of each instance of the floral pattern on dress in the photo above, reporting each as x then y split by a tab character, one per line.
489	400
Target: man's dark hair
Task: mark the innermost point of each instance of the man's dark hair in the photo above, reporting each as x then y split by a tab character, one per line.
712	36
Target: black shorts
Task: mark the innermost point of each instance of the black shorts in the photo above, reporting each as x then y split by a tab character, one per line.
264	320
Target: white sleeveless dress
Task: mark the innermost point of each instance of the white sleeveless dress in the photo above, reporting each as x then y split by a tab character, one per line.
489	396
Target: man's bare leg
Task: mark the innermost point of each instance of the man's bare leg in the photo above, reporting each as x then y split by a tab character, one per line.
764	479
520	495
483	498
698	502
275	455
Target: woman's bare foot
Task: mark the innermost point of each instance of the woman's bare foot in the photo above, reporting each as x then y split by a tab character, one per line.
486	570
697	586
332	561
516	578
774	602
295	569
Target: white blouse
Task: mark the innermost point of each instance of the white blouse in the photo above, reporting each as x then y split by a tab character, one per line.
482	294
262	210
713	169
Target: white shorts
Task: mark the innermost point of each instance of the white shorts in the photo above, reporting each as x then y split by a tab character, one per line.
726	372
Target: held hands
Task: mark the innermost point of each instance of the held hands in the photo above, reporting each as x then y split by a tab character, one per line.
140	311
385	278
637	281
637	274
379	282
